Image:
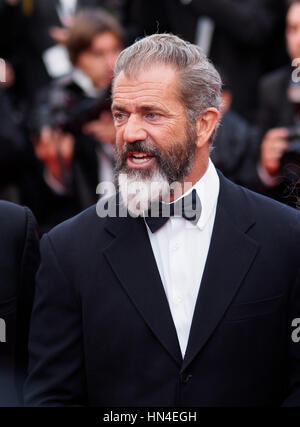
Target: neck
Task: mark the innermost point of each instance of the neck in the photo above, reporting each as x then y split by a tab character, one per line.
190	180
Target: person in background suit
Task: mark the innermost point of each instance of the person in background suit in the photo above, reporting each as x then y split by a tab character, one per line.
43	31
279	114
238	36
19	260
235	150
10	21
71	124
135	306
12	149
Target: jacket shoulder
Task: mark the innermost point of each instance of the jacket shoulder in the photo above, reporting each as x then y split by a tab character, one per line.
80	231
274	218
13	219
19	249
272	208
242	202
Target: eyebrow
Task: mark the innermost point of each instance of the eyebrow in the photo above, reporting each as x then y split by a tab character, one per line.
117	107
140	108
150	108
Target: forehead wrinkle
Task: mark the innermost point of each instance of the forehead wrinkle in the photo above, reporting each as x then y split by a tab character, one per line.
150	96
129	93
128	84
139	94
154	101
147	98
139	91
139	83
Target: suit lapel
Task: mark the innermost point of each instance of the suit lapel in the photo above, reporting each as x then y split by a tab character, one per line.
131	257
230	256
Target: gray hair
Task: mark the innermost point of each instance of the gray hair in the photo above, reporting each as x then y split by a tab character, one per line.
199	82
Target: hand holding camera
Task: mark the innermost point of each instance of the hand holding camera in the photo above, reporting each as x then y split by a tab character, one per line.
55	149
273	146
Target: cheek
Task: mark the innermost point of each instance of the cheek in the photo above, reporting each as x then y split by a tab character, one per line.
119	138
293	42
100	67
169	132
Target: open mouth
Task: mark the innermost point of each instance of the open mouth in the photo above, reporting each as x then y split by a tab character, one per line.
139	158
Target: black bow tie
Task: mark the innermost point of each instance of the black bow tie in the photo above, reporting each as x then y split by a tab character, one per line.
188	207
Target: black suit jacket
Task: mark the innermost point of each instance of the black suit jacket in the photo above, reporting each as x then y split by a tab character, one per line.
19	258
102	332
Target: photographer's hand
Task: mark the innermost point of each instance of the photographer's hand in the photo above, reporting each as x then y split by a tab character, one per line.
59	35
10	77
273	146
55	150
102	129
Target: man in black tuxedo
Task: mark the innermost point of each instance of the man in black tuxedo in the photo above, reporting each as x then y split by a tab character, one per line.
19	258
196	309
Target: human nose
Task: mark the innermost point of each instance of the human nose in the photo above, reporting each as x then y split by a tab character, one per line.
134	130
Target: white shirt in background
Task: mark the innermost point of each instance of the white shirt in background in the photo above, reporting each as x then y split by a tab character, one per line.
66	9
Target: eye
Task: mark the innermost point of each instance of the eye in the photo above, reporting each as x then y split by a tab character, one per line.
151	116
119	116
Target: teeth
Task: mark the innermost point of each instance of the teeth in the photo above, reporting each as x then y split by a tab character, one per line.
140	160
140	155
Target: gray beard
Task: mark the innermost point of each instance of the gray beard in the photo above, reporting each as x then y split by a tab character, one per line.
139	188
138	194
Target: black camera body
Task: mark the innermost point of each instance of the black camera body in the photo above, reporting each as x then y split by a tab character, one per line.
291	155
68	110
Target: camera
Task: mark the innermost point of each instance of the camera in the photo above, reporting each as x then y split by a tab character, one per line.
291	156
68	111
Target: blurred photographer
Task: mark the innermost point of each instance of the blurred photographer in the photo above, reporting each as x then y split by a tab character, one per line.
71	123
279	120
236	35
236	144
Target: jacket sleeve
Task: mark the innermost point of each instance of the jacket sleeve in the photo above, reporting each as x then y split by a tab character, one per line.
25	293
56	364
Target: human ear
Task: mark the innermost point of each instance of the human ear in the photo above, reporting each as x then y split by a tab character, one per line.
206	124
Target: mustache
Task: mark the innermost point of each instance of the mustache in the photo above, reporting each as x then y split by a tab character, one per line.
142	146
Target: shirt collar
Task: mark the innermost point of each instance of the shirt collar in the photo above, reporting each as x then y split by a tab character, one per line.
85	83
207	188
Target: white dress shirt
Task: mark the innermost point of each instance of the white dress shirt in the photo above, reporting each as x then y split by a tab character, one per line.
180	249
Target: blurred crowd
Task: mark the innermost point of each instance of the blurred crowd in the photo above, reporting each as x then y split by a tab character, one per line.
57	57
